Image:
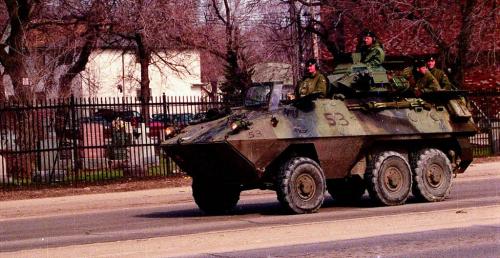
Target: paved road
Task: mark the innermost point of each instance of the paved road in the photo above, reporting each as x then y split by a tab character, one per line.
471	215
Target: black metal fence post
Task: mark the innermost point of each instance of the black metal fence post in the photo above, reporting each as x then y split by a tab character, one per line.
75	127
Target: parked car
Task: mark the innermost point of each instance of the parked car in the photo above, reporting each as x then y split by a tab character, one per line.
198	118
98	119
163	118
182	119
126	115
95	119
158	123
131	116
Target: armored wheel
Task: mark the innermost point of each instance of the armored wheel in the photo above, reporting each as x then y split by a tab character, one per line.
301	185
346	190
432	175
388	178
213	197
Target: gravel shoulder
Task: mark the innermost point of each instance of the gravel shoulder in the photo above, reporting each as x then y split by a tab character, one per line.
104	187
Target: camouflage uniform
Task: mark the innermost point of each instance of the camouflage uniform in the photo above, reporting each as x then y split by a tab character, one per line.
442	78
422	82
373	56
312	84
427	83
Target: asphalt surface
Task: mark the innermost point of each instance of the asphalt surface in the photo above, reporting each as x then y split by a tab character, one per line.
477	241
177	215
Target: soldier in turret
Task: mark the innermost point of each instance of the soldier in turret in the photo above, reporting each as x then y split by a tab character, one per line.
314	82
371	49
439	74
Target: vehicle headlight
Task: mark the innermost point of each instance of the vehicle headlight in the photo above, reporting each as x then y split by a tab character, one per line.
169	132
238	125
234	126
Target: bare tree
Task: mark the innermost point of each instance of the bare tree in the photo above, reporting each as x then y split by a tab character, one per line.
237	71
462	32
44	45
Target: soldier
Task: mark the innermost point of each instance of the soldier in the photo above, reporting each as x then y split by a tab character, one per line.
372	51
439	74
313	82
424	80
420	79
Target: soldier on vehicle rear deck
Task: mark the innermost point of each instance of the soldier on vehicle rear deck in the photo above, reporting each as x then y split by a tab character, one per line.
439	74
420	78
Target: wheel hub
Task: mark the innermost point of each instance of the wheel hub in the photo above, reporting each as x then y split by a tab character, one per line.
393	179
305	187
434	175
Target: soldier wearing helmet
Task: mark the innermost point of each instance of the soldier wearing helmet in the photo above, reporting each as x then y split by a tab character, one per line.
314	81
372	51
439	74
423	79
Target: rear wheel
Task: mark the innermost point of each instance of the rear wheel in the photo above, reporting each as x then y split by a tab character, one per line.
346	190
301	185
388	178
432	175
215	198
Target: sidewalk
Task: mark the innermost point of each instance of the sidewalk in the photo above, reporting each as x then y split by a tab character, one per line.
155	197
92	202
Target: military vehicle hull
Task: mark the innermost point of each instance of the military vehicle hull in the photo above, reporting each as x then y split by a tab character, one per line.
344	145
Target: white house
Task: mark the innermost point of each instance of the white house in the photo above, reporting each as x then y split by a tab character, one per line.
116	73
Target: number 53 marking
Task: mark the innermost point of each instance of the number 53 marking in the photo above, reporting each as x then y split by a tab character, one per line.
336	118
253	134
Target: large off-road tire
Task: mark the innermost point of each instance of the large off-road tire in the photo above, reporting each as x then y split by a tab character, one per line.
388	178
432	175
215	198
301	185
346	190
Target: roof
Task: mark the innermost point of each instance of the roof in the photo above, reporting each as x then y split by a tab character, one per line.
273	72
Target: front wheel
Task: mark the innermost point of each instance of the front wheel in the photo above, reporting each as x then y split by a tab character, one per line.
432	175
388	178
215	198
301	185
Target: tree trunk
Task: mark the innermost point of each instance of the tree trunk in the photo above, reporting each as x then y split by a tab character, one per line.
66	80
20	79
464	40
14	59
2	88
144	55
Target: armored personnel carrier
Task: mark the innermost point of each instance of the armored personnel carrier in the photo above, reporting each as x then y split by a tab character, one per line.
389	142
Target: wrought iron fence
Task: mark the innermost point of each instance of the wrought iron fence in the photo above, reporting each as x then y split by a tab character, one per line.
485	107
89	140
95	139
